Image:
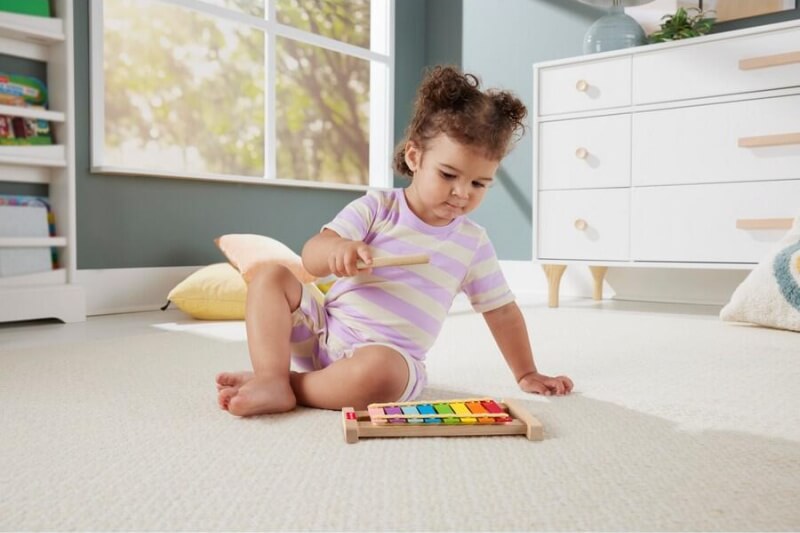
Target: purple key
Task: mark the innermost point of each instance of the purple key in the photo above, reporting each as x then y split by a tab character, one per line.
394	411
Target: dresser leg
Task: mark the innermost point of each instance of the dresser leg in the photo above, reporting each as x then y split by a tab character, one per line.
553	273
599	274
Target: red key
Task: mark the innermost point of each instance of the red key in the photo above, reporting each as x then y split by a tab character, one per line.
492	407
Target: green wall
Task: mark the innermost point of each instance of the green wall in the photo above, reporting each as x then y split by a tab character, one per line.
502	39
428	32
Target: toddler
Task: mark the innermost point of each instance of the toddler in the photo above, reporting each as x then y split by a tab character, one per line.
367	342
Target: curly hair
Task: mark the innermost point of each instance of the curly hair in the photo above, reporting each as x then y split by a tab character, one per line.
451	102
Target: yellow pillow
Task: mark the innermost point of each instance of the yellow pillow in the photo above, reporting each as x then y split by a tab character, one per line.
215	292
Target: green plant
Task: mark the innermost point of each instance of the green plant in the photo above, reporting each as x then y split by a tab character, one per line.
685	23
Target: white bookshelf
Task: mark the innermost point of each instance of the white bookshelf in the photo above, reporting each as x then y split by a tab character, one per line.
46	114
52	294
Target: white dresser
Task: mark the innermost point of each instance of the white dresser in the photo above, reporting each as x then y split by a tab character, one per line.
683	154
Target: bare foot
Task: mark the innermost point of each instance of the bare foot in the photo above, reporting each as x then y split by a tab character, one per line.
224	396
257	396
232	379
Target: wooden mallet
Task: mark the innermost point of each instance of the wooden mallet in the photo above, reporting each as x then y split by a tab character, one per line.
395	260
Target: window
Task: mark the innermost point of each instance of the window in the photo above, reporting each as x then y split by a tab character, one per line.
275	91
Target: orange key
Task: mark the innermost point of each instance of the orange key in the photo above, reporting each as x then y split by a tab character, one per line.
477	408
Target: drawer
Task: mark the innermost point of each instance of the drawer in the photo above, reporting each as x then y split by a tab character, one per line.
713	68
584	224
585	86
697	223
585	153
702	144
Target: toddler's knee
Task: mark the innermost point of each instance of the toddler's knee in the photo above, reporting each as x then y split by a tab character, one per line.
271	275
383	375
269	278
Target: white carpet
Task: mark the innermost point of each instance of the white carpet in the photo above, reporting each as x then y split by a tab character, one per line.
679	422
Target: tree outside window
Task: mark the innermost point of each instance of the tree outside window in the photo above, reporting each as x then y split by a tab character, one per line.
219	89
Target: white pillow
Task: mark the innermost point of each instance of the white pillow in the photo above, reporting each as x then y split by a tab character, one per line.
770	295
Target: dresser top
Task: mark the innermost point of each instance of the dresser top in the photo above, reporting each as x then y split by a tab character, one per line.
657	47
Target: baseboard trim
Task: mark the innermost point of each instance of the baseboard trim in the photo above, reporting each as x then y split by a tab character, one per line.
129	290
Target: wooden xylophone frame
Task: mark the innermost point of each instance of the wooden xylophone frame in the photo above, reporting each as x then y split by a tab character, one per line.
358	424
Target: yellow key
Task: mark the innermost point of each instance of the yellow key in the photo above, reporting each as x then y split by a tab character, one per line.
461	409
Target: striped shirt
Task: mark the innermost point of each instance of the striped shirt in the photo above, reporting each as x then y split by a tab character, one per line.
406	306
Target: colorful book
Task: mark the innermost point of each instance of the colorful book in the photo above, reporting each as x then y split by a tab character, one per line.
24	91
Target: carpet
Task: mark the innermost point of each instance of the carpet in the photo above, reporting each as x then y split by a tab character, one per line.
679	422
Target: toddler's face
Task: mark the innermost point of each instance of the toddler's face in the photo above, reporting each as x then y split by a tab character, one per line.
450	179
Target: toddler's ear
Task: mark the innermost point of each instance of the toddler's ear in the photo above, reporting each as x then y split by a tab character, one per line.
412	155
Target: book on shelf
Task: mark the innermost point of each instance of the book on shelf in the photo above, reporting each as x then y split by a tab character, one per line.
20	217
39	8
23	91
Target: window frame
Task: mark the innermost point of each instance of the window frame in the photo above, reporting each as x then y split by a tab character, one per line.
381	94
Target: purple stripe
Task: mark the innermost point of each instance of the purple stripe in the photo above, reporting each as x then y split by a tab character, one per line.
339	313
323	356
406	276
353	219
300	333
448	265
341	286
338	329
441	261
404	310
442	294
371	201
303	363
382	210
483	253
354	213
485	284
401	277
445	238
467	241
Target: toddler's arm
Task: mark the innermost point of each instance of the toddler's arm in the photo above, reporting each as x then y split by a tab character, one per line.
509	331
328	253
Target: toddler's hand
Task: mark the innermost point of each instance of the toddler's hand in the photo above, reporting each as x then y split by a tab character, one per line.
541	384
344	257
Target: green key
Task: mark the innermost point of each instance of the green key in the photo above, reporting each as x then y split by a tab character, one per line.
444	409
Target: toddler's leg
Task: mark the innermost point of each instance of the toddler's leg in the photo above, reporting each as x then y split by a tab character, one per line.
374	373
272	295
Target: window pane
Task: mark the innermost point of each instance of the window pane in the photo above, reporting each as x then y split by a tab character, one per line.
249	7
344	20
183	91
322	109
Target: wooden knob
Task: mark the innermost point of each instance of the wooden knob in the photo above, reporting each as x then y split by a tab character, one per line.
764	223
581	224
582	85
581	153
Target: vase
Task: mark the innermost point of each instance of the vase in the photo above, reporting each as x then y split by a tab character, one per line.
613	31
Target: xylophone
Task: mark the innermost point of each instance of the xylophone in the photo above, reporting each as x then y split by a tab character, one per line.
441	418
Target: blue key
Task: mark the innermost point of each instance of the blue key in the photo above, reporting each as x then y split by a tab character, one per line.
411	410
427	409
